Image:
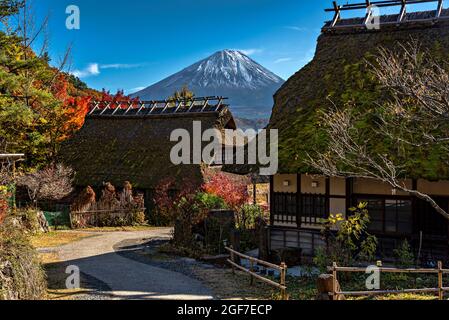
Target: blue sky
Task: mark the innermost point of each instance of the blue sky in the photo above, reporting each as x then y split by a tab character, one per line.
132	44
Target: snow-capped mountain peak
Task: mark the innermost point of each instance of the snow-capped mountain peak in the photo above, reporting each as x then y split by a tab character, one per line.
228	73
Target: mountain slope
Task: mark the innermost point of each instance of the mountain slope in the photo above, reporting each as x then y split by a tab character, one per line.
248	85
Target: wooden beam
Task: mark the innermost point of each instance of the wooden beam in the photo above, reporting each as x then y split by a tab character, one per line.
95	108
108	106
299	200
220	102
328	196
180	103
403	12
153	107
271	200
349	190
337	14
130	104
439	9
206	103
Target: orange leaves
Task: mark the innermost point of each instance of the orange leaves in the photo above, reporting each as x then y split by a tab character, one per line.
235	194
75	111
118	100
74	108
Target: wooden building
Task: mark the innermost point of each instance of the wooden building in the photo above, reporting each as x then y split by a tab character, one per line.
300	199
131	142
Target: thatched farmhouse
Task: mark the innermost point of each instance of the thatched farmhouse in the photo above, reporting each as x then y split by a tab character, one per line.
131	142
300	197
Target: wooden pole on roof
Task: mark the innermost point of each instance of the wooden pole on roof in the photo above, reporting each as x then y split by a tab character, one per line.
439	9
337	14
403	11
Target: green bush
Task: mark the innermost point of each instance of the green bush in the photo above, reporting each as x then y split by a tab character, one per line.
30	220
138	218
348	239
404	255
211	201
248	215
21	275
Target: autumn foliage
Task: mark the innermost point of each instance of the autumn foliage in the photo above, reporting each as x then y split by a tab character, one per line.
170	199
74	107
3	204
118	100
235	194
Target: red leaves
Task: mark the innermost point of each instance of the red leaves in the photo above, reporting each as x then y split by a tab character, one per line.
74	108
118	100
235	194
3	206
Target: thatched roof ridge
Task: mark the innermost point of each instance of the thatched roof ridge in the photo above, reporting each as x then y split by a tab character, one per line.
411	20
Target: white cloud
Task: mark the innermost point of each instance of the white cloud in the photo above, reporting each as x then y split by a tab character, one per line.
134	90
295	28
250	52
120	66
283	60
94	69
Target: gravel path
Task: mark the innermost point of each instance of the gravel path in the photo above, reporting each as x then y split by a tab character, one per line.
130	279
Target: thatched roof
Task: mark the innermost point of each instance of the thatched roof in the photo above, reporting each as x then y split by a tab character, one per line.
136	148
336	73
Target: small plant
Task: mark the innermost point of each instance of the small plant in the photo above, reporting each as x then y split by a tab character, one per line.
348	239
4	208
211	201
139	218
248	216
404	255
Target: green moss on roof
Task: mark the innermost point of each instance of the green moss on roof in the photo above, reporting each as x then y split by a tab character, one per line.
338	73
136	149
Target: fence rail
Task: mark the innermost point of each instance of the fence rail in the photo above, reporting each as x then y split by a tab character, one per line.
253	261
438	270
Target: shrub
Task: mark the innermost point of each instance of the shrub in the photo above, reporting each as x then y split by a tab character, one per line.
211	201
21	275
30	220
235	194
138	218
4	208
351	240
248	215
404	255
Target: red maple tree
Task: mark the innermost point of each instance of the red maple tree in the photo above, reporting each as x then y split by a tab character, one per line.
234	193
117	100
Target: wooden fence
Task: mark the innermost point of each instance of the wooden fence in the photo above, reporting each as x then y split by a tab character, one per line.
92	218
438	270
253	261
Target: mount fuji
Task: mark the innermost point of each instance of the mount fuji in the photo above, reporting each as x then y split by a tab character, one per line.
230	73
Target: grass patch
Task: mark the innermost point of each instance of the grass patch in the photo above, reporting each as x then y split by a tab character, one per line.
56	239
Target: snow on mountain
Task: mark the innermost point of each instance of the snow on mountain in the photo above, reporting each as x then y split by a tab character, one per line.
248	85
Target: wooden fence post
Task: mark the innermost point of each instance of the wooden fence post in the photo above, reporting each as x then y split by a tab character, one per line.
440	281
251	268
283	280
334	281
232	259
